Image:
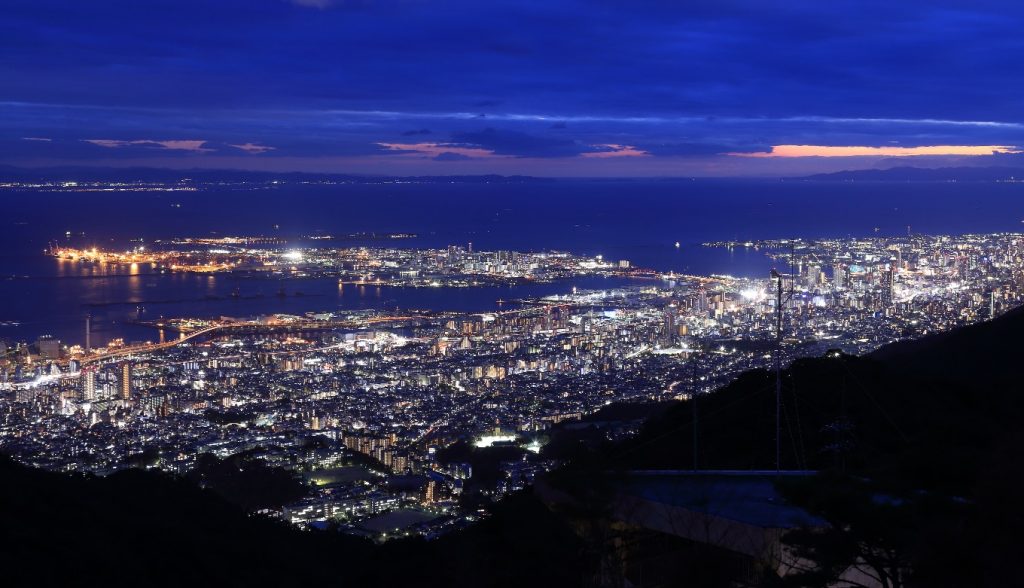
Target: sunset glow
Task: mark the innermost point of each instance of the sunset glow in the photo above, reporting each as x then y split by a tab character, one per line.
888	151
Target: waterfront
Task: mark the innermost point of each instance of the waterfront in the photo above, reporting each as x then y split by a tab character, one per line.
57	305
474	331
589	218
416	396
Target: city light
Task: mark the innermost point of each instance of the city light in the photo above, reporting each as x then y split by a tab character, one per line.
398	386
752	295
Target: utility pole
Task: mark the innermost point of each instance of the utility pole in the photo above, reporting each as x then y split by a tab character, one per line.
693	400
778	371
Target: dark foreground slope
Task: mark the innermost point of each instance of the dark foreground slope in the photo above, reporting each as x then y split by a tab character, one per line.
146	528
933	427
918	446
931	412
987	358
141	528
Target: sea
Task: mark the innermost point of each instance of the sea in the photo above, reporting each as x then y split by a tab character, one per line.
635	220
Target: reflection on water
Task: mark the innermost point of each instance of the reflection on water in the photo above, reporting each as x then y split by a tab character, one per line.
114	296
636	220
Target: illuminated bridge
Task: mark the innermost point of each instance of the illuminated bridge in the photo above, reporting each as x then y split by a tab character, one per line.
299	326
251	327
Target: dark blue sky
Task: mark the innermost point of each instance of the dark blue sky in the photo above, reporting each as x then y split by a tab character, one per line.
548	87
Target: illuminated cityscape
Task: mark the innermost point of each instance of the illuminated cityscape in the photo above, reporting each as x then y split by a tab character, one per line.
385	394
453	266
511	294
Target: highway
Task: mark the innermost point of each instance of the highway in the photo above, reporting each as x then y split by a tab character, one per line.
157	346
234	325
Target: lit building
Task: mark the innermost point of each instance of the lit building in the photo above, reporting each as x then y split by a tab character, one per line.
888	286
840	277
430	493
89	384
126	381
669	327
49	348
813	276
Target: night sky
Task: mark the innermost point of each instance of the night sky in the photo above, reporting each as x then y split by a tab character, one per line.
557	88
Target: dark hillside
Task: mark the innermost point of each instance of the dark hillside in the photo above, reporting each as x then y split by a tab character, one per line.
978	356
917	448
937	418
142	529
927	411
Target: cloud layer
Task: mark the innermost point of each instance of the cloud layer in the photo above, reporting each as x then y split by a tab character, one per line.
528	86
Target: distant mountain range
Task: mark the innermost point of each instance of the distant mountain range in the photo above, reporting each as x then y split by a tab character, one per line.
921	174
214	176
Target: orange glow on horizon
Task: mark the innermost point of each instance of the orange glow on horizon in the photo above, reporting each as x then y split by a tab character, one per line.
888	151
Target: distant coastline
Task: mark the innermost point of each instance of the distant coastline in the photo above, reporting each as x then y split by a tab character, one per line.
921	174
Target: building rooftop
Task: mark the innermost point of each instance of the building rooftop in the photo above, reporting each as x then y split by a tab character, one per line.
748	497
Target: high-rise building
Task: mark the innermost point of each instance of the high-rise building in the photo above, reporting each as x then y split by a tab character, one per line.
888	286
89	384
399	463
813	276
702	299
126	381
585	324
669	333
840	277
49	348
